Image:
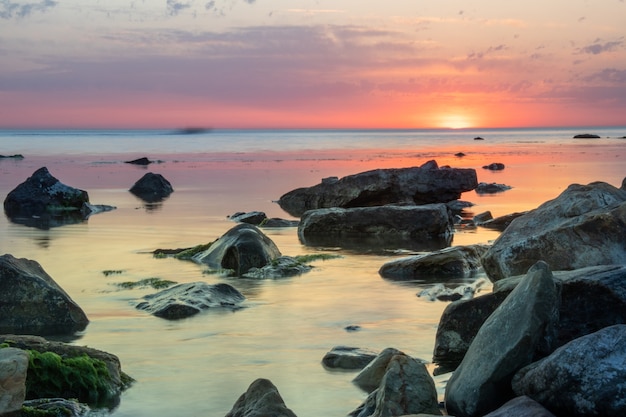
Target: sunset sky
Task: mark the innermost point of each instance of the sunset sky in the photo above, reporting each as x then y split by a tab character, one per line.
312	64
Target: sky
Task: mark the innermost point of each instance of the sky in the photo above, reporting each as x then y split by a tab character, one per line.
312	64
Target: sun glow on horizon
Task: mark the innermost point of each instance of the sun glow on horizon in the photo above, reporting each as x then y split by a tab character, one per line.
456	121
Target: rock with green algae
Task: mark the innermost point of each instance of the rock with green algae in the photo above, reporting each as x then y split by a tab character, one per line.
59	370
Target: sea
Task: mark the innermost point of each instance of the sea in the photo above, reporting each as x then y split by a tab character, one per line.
198	367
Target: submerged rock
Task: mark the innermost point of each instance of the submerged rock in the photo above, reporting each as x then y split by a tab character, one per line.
262	399
584	226
494	166
31	302
418	185
251	217
344	357
586	136
139	161
520	330
412	227
491	188
152	188
185	300
281	267
240	249
453	262
586	377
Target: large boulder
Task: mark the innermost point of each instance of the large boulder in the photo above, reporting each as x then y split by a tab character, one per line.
60	370
152	188
13	367
43	201
240	249
43	193
186	300
585	293
517	333
586	377
426	227
262	399
31	302
405	388
584	226
453	262
416	185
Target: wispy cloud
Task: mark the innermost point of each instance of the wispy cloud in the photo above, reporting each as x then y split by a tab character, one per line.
11	9
598	46
174	7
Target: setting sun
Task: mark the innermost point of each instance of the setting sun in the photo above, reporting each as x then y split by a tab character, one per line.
455	121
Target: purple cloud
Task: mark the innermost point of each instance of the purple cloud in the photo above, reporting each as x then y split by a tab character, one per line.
597	47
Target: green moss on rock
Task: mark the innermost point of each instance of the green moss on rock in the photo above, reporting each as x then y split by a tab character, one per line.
81	377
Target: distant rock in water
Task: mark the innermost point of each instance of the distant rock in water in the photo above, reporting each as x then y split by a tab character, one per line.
416	185
478	138
16	156
139	161
495	166
192	130
491	188
152	188
586	136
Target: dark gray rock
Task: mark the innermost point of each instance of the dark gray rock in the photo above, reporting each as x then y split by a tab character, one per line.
241	248
277	222
427	227
417	185
262	399
185	300
502	222
43	201
586	377
483	217
494	166
345	357
584	226
31	302
586	136
251	217
519	331
405	388
43	193
491	188
152	188
453	262
585	294
521	407
370	377
139	161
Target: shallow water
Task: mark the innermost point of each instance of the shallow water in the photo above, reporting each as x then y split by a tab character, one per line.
201	365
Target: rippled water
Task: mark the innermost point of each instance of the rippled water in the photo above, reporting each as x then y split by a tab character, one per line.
201	365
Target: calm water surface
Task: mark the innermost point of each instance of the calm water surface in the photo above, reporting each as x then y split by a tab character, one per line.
200	366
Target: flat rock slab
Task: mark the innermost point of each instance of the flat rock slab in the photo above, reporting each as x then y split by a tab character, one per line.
414	227
416	185
345	357
186	300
